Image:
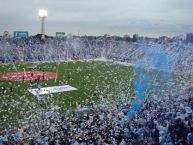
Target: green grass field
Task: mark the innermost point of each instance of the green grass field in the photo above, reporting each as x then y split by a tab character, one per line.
110	79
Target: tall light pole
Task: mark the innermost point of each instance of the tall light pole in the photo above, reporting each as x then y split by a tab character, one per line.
43	14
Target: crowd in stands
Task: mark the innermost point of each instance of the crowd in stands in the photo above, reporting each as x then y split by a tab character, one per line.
163	121
33	49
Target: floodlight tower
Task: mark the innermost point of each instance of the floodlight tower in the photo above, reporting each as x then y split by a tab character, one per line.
43	14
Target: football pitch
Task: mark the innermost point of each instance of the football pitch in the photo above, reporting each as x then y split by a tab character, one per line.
95	81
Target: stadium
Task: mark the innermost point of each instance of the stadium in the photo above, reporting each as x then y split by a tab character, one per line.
95	90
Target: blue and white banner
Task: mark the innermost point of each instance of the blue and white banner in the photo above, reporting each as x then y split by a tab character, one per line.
51	90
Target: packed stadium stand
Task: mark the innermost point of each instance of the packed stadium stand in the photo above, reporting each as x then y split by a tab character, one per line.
164	120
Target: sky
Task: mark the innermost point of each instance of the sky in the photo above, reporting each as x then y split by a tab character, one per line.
98	17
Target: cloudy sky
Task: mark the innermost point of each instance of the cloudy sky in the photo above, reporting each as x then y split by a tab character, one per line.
97	17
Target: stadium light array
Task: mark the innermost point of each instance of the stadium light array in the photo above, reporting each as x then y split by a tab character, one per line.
43	14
